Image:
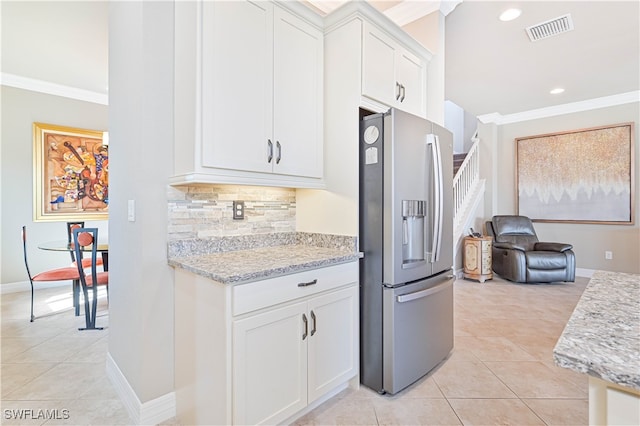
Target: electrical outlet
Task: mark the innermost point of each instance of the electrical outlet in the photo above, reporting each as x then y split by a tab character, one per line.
608	255
238	210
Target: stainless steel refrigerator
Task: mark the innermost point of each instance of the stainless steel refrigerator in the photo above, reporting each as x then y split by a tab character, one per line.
406	235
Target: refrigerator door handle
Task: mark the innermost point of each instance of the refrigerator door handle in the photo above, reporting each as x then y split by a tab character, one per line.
424	293
438	191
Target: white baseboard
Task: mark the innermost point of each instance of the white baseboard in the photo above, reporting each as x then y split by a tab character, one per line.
25	286
582	272
148	413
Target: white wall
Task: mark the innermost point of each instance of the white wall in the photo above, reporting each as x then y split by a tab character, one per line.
141	131
454	122
589	240
20	109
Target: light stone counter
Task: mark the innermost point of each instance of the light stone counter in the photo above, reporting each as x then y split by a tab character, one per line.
231	261
602	337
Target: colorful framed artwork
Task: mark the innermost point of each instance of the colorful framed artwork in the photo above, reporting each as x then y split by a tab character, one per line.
580	176
71	173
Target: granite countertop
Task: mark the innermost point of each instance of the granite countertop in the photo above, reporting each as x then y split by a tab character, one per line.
602	337
230	261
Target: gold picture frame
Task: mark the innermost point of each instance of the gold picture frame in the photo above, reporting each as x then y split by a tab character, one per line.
71	174
578	176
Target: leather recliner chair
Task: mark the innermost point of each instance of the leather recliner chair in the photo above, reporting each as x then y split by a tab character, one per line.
519	256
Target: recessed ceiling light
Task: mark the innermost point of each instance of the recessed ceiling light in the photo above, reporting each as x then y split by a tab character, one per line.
510	14
556	91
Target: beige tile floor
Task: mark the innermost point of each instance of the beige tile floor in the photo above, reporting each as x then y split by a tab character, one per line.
500	372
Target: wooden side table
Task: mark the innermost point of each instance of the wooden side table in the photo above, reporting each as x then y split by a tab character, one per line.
477	258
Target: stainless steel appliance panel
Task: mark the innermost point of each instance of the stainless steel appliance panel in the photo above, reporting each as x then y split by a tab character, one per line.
417	169
418	329
371	243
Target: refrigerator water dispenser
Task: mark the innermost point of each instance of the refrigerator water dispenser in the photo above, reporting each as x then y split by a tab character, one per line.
413	235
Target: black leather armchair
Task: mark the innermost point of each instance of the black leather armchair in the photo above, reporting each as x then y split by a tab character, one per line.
519	256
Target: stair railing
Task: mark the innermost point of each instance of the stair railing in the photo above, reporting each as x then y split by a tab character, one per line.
466	178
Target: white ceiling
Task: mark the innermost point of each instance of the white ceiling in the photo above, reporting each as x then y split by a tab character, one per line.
61	42
491	66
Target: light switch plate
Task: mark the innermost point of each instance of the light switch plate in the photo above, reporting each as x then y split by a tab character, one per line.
131	210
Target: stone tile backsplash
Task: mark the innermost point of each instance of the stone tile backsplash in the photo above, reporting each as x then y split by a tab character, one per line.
202	211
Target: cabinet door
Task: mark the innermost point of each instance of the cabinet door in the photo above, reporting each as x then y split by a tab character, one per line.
333	340
237	64
378	66
412	77
297	96
270	365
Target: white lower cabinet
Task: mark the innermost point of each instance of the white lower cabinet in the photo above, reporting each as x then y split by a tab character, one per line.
287	357
259	353
270	366
612	404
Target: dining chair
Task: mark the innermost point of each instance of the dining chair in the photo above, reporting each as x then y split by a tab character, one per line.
82	239
70	227
85	263
59	274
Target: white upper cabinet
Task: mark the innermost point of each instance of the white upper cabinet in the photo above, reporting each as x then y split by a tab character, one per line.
297	96
257	119
391	74
237	81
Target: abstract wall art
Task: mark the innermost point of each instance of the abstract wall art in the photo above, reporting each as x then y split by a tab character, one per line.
71	173
583	176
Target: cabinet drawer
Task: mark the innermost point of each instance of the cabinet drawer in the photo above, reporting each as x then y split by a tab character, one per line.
261	294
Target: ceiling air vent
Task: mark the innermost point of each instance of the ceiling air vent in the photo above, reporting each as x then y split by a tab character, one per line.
550	28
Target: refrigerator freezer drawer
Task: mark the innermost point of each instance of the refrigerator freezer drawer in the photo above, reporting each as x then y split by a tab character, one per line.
418	330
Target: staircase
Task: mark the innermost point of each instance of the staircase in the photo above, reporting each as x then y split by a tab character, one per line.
458	159
468	193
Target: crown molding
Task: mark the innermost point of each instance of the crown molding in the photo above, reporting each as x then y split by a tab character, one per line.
573	107
409	11
327	6
49	88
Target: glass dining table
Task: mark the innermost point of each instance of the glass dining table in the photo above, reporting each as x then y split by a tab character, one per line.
62	245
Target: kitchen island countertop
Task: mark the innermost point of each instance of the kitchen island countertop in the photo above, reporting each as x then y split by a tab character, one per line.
602	337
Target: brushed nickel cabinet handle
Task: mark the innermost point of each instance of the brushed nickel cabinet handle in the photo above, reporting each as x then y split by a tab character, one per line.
306	326
308	284
269	150
313	317
279	155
